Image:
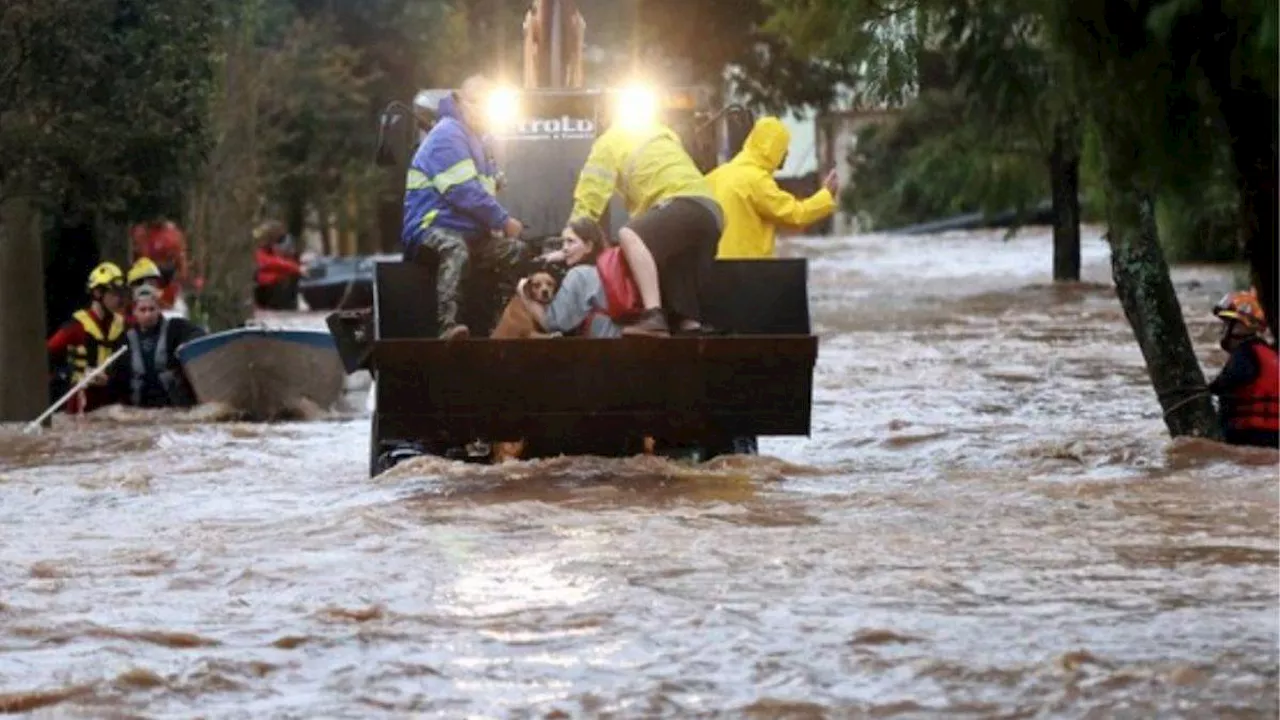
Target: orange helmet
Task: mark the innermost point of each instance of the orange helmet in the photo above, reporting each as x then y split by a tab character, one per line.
1242	307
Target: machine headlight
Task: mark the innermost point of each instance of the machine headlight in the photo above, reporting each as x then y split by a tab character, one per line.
636	106
503	109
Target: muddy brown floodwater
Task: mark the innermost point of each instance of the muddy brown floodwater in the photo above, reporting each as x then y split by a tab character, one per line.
988	521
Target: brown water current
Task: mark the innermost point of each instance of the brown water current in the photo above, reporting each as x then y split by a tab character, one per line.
987	521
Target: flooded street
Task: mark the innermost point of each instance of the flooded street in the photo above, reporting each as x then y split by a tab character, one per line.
988	520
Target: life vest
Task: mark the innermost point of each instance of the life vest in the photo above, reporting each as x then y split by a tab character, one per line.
159	363
622	297
1256	406
97	347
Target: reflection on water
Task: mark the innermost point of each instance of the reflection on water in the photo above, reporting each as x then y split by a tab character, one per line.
988	520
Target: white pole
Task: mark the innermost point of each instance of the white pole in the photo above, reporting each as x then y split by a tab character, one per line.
88	378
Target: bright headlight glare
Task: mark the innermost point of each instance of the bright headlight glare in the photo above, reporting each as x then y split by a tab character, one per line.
503	107
637	106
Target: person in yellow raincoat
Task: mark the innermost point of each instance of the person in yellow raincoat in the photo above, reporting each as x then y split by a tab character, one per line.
754	206
674	223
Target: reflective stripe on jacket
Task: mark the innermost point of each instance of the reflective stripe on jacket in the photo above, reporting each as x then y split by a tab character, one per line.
97	347
452	182
754	206
646	166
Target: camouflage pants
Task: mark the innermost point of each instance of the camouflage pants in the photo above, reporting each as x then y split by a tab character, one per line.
500	257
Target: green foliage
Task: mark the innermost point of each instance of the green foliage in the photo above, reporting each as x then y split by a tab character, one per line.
882	41
315	114
225	189
929	163
1092	187
102	102
1200	223
1146	69
1143	73
772	72
983	93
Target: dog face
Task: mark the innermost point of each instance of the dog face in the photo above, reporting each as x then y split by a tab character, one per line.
540	288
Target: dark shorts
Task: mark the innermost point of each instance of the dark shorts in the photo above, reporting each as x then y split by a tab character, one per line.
682	235
675	226
282	295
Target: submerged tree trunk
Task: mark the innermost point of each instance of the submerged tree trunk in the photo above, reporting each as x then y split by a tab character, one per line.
1064	177
24	383
1147	294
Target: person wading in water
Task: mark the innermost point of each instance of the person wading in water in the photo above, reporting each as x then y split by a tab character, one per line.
1248	388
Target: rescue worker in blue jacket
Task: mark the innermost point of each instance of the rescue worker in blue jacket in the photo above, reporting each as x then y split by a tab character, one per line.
450	205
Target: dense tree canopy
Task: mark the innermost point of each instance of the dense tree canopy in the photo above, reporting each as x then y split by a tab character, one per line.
1168	89
101	104
769	69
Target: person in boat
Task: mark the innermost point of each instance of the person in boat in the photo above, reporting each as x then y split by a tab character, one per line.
595	295
754	205
143	273
675	222
1248	388
91	336
276	279
451	211
163	242
151	369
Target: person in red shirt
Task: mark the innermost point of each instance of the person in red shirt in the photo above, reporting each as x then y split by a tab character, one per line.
89	338
163	242
276	281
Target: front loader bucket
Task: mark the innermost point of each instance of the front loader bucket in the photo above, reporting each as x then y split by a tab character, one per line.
573	390
596	396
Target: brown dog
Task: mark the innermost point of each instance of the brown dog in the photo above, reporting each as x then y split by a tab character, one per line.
516	321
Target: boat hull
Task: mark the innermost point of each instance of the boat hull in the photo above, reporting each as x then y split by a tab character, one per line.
265	374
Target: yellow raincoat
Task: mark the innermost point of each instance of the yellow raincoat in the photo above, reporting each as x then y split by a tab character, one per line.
753	203
645	165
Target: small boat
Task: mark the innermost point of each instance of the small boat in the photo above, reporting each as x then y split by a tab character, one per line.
265	374
340	283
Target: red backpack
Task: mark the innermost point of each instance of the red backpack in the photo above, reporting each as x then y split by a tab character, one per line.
621	295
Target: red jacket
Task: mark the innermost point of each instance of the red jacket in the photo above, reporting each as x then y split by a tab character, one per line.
273	268
166	246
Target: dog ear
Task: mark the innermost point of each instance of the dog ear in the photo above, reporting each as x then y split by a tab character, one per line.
527	292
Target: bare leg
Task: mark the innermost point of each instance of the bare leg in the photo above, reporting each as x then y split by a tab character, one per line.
643	269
